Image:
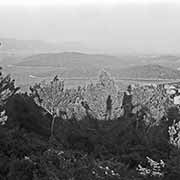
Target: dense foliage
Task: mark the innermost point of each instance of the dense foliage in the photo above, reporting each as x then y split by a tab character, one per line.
89	147
7	89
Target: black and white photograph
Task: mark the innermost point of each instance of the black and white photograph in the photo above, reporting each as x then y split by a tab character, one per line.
89	90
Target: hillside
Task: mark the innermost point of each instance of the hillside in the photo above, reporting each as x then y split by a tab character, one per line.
150	71
10	44
72	60
40	46
73	64
145	71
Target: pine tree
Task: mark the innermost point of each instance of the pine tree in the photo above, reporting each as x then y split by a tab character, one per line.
49	95
7	89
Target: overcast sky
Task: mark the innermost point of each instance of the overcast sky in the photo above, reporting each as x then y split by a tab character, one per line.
113	27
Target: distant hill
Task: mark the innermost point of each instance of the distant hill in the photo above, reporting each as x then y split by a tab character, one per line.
39	46
13	51
151	71
10	44
75	64
172	61
72	60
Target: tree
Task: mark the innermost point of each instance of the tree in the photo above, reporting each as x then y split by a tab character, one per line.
49	95
7	90
96	94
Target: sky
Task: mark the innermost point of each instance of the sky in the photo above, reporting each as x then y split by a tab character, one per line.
114	26
77	2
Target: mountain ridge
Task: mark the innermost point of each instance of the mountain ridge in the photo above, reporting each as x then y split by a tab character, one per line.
71	59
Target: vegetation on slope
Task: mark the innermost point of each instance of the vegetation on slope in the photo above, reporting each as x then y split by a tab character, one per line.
122	148
150	71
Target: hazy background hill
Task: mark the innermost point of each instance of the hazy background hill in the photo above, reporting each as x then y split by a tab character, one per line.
75	64
30	61
150	71
72	60
16	45
13	51
10	44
